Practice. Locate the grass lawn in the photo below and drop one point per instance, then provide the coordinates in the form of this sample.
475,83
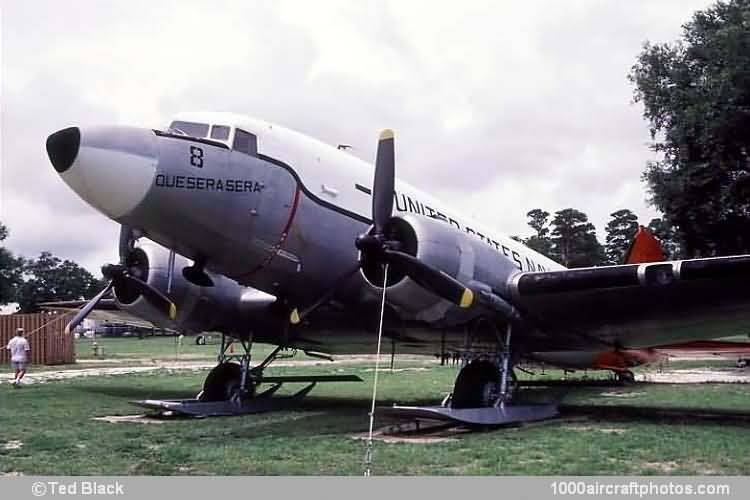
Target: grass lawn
53,421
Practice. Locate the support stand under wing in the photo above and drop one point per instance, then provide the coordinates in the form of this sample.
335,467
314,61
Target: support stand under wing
489,416
263,402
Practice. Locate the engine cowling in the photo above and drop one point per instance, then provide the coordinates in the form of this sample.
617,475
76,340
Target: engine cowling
226,306
443,247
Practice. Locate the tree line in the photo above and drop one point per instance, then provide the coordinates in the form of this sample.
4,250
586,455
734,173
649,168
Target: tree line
569,238
47,278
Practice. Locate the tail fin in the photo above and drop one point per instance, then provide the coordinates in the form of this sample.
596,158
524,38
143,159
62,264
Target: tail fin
645,248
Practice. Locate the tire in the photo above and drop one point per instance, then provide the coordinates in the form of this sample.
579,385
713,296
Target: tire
222,383
626,377
476,385
200,340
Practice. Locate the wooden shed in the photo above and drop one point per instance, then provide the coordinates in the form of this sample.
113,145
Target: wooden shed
46,335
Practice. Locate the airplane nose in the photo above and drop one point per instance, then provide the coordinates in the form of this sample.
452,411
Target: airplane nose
110,167
62,148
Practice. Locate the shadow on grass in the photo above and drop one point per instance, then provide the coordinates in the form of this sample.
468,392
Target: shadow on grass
136,392
669,415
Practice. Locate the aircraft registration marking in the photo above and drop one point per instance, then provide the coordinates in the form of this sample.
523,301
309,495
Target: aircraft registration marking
208,183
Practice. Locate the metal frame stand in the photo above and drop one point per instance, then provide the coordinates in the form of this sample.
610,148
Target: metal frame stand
505,395
245,401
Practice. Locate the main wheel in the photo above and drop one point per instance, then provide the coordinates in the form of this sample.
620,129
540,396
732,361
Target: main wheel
477,385
625,377
223,383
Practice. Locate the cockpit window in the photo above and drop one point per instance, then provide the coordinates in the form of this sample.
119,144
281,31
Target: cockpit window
245,142
220,132
189,128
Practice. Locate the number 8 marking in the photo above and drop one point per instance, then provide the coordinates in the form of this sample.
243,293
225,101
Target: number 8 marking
196,156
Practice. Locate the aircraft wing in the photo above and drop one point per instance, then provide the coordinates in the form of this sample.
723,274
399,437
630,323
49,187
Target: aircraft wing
637,305
106,310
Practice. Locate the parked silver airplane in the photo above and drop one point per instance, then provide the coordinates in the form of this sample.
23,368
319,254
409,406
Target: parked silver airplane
275,237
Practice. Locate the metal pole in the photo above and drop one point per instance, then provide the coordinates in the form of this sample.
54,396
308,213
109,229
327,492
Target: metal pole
170,271
506,360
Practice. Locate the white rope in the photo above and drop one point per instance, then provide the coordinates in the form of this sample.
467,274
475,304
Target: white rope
368,452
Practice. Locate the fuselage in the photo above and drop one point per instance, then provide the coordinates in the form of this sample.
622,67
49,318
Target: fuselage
263,205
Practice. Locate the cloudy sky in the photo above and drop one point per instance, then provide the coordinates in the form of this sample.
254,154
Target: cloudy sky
499,107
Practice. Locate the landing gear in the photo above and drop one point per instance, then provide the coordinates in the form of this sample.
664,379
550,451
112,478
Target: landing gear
625,377
231,386
233,379
742,362
484,383
478,385
482,394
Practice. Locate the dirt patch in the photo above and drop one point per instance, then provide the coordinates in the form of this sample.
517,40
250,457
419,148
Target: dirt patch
13,445
591,428
415,439
699,376
663,467
621,394
412,432
138,419
388,370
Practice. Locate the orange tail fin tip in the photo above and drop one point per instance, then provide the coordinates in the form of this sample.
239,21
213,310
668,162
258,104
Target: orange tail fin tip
645,248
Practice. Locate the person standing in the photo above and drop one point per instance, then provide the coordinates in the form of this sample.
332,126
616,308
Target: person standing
19,355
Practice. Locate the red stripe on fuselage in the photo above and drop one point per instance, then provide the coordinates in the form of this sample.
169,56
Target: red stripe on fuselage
282,239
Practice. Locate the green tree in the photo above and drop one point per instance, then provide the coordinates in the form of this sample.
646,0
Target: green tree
50,279
574,242
539,222
667,236
696,98
621,230
10,271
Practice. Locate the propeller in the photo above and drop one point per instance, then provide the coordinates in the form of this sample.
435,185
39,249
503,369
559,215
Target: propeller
121,275
377,247
376,243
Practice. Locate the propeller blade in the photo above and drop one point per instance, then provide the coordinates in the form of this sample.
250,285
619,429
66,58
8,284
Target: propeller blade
85,310
383,185
152,296
430,278
296,316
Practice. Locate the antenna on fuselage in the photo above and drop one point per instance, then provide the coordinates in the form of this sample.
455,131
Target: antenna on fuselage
344,147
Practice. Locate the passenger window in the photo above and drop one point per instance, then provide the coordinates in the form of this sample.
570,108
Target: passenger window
245,142
220,132
190,128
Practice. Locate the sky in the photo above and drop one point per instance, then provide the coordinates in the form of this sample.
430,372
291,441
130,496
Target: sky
499,107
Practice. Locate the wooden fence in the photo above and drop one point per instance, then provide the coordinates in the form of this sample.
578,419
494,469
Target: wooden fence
45,333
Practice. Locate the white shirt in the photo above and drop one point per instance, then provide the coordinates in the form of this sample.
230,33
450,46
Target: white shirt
18,347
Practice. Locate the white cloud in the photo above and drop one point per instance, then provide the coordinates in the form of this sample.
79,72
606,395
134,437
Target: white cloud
499,107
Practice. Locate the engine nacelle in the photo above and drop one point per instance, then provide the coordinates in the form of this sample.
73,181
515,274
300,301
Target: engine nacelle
443,247
226,306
